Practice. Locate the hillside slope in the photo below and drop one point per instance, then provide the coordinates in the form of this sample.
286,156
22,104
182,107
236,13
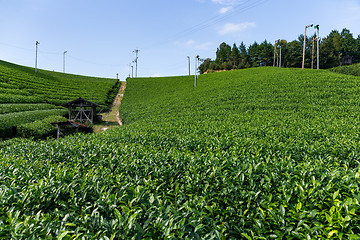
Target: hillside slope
247,154
26,96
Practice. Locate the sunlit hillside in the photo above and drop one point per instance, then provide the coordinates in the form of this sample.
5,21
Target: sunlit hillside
250,154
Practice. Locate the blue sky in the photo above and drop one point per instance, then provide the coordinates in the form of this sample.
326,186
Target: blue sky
100,36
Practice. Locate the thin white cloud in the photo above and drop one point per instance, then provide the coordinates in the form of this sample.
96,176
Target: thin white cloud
189,43
225,10
227,2
195,45
203,46
231,28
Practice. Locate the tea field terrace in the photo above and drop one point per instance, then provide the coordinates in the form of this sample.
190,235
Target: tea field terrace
26,97
249,154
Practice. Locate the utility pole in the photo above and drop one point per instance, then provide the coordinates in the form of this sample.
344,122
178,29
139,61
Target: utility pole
136,51
132,71
275,52
189,64
280,57
303,61
196,63
37,43
312,53
64,61
317,50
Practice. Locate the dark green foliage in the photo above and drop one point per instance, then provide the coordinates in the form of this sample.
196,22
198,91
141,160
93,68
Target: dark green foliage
9,121
348,44
334,49
23,92
16,107
235,56
330,50
244,61
353,69
223,53
251,154
111,94
39,129
292,53
205,65
53,87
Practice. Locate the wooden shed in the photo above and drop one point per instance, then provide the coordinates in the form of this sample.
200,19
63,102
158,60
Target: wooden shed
347,60
81,110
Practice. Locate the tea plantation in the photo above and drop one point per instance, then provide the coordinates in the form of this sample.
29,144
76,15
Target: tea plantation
353,69
26,97
262,153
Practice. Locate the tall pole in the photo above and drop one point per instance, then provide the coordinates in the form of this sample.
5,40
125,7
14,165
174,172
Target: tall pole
129,70
280,57
274,53
312,53
189,63
196,63
317,50
37,43
136,51
303,61
64,61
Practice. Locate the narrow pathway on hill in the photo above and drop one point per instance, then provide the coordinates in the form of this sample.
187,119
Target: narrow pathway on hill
112,118
117,102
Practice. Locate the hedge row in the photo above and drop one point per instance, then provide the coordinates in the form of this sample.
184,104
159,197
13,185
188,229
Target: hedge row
9,121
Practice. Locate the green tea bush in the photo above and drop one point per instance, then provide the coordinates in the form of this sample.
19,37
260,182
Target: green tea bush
21,90
111,94
39,128
261,153
21,107
9,121
353,69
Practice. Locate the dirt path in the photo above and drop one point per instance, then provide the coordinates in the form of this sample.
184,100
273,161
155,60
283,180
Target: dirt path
117,102
112,119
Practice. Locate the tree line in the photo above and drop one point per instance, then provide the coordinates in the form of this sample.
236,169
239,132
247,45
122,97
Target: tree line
338,48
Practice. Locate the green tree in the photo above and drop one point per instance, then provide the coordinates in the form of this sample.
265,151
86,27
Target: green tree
244,56
205,65
266,53
348,46
223,53
357,51
330,50
235,56
254,54
292,54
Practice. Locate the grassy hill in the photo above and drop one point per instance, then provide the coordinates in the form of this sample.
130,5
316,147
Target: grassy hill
251,154
26,97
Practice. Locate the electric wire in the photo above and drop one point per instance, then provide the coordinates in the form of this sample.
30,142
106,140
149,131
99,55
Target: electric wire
239,8
236,9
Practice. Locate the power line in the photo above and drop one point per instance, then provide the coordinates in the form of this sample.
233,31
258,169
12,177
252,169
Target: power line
221,17
240,8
